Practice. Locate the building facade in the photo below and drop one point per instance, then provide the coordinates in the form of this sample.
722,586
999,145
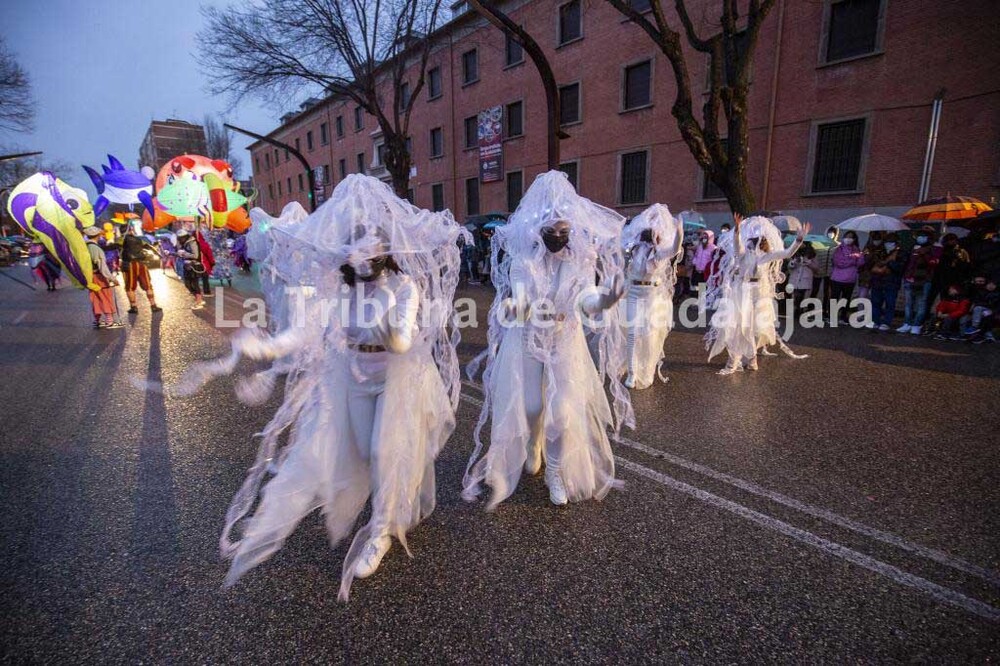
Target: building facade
840,112
166,139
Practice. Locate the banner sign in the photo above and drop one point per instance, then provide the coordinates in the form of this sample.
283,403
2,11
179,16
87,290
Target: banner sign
491,145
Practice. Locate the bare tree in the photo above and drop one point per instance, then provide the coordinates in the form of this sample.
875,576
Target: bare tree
219,143
730,51
492,13
357,49
17,111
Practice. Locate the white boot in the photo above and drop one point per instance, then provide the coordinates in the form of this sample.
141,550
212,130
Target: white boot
371,556
557,491
533,463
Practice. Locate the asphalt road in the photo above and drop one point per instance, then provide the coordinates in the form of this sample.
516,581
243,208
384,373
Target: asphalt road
839,508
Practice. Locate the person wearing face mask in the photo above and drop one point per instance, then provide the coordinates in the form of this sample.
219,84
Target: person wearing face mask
651,242
949,313
745,319
703,258
874,251
372,387
887,266
824,266
544,394
918,279
954,266
846,261
985,305
802,268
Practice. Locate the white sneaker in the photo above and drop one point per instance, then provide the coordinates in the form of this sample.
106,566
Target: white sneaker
629,382
371,556
557,491
752,364
905,328
914,330
884,327
198,306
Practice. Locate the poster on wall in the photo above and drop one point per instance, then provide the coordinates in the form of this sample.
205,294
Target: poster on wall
491,145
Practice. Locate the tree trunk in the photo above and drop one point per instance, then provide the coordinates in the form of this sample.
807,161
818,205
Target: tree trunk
397,163
739,194
492,13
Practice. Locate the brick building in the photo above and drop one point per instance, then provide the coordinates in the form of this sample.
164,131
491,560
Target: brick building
851,84
166,139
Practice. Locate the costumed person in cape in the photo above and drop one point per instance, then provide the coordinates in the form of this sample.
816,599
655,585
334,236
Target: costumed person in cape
544,394
745,319
652,241
102,300
44,266
134,247
189,249
267,242
371,395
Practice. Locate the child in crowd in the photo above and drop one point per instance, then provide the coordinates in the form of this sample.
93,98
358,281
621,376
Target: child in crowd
985,301
802,272
949,313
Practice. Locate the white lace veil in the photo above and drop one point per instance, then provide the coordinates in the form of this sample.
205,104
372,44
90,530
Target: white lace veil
594,243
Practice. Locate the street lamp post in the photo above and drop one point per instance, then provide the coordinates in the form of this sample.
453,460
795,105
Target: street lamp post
274,142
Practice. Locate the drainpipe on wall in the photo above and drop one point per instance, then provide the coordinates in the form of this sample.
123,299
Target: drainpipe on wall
451,106
932,137
774,99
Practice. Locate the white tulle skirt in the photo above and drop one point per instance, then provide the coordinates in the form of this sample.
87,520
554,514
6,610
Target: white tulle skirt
574,420
369,425
745,320
648,317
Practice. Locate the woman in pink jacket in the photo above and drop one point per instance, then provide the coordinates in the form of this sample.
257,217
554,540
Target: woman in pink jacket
847,259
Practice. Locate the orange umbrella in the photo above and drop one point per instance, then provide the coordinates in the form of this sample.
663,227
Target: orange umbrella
946,208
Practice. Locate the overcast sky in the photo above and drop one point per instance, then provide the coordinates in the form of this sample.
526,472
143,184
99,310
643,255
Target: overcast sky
102,69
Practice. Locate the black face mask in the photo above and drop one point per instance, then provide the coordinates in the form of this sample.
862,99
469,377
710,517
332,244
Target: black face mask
646,236
555,240
377,266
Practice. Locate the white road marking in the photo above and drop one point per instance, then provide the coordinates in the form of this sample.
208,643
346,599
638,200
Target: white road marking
817,512
942,594
19,318
938,592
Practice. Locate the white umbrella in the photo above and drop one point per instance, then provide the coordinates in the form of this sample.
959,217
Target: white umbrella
787,223
872,222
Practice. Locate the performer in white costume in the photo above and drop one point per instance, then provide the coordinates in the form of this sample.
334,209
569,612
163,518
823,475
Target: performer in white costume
652,241
544,393
746,315
371,396
267,242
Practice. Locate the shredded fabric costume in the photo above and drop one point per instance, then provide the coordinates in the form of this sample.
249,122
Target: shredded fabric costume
543,392
652,241
746,315
372,377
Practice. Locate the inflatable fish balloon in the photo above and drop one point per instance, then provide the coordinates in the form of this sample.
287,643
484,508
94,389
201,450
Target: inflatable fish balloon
118,184
56,213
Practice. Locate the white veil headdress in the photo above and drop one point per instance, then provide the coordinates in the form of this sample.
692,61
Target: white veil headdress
362,219
656,218
723,281
595,240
